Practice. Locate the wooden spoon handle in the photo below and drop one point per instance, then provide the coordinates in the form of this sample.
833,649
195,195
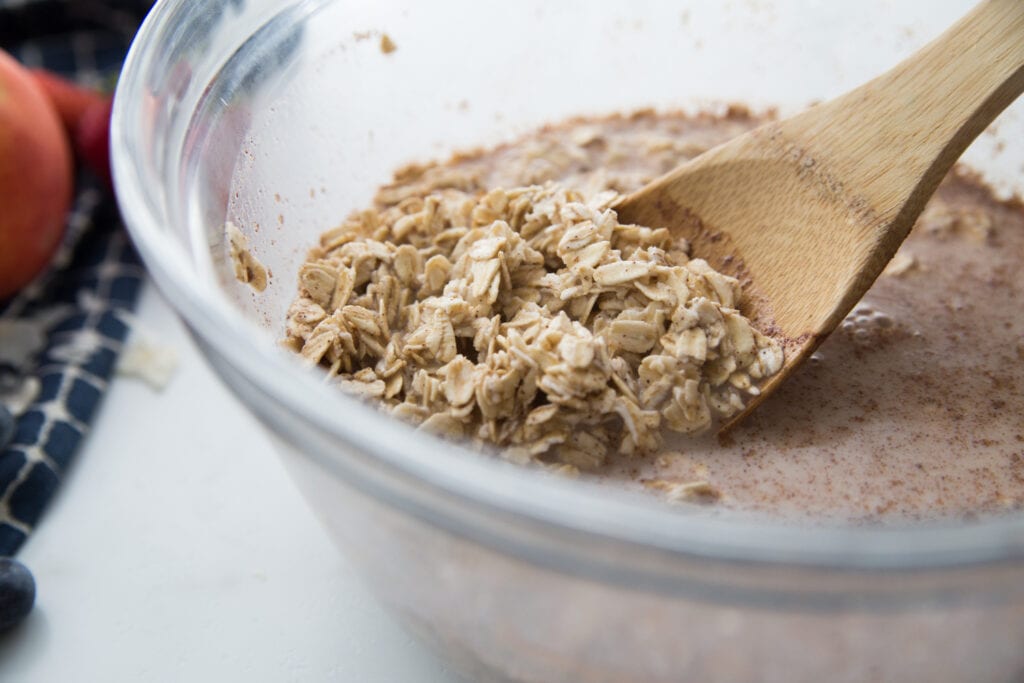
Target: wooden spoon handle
894,138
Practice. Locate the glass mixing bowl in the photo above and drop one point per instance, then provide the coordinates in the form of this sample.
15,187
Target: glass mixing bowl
284,116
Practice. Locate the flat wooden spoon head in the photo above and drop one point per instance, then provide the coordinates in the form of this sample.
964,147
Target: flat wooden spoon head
806,212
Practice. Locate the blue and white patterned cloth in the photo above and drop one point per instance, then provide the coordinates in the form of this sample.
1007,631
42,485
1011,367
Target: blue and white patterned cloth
73,317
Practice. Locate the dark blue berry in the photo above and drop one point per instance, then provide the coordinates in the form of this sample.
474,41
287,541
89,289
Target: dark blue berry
17,592
6,427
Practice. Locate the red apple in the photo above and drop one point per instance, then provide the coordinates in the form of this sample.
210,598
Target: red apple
70,99
92,138
85,114
36,177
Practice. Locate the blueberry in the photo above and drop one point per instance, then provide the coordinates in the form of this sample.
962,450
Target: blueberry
17,592
6,426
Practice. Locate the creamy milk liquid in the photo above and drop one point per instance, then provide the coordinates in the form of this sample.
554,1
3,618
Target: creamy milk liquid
914,408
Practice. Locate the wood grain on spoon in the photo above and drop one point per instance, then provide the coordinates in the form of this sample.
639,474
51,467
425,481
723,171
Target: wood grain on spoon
808,211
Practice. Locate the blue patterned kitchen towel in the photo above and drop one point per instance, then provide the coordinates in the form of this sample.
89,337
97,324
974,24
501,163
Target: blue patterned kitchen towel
61,336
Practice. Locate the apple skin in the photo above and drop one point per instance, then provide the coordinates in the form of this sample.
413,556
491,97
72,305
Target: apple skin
36,177
85,114
92,138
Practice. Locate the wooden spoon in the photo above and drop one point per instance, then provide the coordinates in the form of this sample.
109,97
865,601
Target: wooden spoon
808,211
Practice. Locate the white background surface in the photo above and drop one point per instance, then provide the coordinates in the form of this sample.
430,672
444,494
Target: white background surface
177,549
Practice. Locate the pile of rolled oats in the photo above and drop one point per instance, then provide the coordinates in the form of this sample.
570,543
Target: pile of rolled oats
528,319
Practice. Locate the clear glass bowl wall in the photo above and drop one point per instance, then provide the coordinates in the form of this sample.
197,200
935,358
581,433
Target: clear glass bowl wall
284,116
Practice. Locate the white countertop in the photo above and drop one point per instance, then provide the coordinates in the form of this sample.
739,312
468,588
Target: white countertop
178,549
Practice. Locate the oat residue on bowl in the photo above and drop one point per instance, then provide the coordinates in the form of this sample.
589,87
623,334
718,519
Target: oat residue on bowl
248,269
